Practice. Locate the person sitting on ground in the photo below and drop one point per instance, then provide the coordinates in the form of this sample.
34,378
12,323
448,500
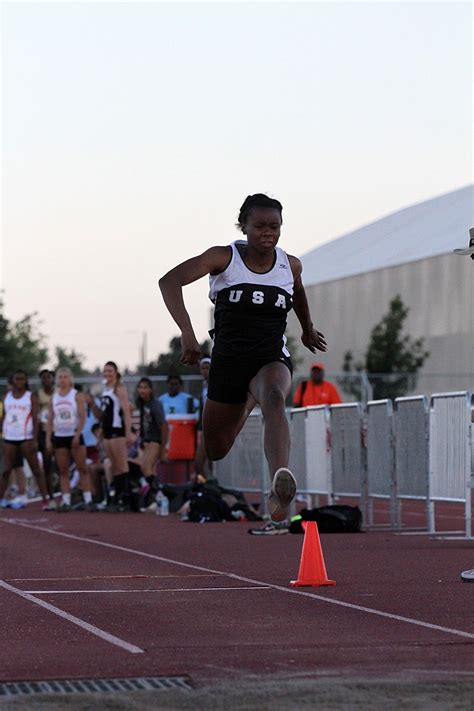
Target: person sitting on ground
316,390
177,402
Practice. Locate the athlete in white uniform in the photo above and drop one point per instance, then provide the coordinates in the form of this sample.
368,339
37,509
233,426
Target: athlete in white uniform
66,419
116,424
20,432
253,285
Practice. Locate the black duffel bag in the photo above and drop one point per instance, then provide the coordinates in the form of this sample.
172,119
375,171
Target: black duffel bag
330,519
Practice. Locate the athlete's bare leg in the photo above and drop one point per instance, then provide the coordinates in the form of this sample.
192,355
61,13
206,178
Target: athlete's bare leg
79,457
270,388
9,459
63,460
221,423
30,453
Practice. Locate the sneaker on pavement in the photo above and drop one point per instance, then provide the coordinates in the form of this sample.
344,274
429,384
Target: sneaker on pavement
282,494
19,502
63,508
50,505
271,529
468,576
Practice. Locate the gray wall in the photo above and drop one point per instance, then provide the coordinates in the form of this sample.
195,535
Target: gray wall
439,292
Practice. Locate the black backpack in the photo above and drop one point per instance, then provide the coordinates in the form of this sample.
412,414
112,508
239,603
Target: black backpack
330,519
206,504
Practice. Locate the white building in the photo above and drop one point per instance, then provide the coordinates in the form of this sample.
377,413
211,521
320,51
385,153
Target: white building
351,280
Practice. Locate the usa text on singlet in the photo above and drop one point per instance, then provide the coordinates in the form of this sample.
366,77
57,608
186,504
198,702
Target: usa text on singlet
251,308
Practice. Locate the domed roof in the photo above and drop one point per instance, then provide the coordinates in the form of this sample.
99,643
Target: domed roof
426,229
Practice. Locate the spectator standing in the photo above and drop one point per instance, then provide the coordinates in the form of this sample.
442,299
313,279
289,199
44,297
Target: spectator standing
20,433
175,401
203,465
153,427
116,424
17,473
67,415
45,393
316,390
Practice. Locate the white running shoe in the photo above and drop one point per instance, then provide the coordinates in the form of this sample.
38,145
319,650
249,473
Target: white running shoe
283,493
19,502
468,576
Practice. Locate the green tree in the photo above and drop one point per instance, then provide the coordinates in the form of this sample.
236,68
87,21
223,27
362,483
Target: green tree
390,354
22,345
70,359
168,362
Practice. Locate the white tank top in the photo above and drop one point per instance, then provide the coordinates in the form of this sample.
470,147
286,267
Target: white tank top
112,408
251,307
65,415
237,273
18,422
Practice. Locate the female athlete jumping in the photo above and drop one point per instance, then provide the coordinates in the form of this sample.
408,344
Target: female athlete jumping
253,285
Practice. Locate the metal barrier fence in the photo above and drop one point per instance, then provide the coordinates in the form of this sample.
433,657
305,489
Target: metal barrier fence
411,436
407,452
245,466
450,453
309,453
380,457
346,449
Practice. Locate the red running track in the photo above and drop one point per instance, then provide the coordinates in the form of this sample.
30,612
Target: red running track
132,595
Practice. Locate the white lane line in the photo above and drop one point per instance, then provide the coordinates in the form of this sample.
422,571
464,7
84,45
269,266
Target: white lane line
112,577
75,620
149,590
241,578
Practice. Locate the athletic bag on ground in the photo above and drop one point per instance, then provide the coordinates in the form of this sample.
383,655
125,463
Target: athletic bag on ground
330,519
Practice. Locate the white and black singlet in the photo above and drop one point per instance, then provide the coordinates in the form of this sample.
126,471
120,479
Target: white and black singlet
17,421
112,414
249,322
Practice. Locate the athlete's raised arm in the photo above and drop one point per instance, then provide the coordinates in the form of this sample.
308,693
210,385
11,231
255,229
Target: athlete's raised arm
171,284
311,338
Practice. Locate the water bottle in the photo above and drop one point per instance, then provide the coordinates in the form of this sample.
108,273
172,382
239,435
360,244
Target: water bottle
165,505
159,502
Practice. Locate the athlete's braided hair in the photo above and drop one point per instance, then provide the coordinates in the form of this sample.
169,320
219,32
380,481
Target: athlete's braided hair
257,200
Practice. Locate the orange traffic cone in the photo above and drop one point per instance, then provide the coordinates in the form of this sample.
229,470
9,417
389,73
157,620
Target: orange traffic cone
312,570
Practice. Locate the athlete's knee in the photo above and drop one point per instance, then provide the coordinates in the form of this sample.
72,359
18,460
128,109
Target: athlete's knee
216,450
273,398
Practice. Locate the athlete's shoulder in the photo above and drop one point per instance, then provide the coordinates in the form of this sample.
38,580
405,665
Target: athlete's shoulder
218,258
296,266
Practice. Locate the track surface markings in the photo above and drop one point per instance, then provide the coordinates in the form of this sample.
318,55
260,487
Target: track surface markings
75,620
241,578
149,590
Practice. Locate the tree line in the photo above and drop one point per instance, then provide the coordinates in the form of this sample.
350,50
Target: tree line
389,351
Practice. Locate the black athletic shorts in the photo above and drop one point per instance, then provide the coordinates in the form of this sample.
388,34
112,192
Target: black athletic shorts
18,456
114,432
65,442
229,377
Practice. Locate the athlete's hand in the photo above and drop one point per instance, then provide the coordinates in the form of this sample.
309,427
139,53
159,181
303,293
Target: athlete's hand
49,447
190,349
75,442
314,340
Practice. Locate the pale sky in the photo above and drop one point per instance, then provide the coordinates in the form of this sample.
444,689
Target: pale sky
132,132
